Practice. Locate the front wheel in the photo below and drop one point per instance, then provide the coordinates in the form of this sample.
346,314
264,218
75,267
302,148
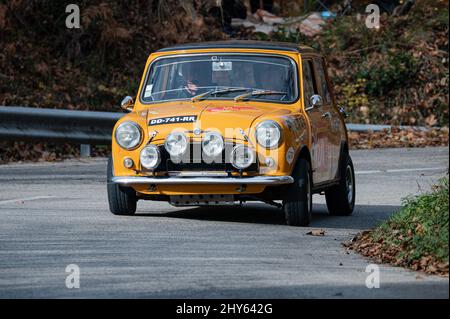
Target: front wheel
341,197
122,200
297,205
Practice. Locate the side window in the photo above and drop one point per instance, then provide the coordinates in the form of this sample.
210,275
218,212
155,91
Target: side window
309,83
325,91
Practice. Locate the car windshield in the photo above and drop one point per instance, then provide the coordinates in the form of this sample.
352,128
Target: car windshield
198,77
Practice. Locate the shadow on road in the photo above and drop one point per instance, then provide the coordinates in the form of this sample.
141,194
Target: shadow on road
364,216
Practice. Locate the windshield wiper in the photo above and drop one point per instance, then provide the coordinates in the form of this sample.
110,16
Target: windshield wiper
201,96
258,93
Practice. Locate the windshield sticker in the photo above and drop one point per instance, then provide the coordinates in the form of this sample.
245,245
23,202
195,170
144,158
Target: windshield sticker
148,90
222,66
230,108
173,120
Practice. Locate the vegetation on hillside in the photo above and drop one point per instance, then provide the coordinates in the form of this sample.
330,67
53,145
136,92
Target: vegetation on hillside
45,64
397,74
415,237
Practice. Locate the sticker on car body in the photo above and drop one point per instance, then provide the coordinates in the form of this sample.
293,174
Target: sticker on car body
173,120
230,108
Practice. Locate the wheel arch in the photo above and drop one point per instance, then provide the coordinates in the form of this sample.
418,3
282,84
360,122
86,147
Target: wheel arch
344,151
304,153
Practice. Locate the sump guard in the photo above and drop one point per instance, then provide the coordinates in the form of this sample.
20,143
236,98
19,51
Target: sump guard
202,200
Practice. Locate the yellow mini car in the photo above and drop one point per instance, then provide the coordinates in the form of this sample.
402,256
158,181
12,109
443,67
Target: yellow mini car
222,123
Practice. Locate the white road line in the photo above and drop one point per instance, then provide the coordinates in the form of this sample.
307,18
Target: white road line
401,170
17,200
368,172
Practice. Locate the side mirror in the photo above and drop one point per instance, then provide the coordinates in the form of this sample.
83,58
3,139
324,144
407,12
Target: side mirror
127,104
342,111
315,101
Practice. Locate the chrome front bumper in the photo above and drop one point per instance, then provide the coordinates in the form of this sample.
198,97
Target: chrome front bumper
257,180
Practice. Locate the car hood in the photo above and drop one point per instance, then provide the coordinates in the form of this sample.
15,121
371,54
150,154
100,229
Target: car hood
206,115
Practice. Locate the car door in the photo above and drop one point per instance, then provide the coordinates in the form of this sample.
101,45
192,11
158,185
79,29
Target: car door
331,113
320,125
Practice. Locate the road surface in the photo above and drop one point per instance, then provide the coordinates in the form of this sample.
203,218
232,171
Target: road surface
56,214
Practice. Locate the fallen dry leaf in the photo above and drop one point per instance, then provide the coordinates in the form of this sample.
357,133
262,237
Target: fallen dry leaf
316,232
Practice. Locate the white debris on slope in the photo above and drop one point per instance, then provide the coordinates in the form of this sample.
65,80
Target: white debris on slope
265,22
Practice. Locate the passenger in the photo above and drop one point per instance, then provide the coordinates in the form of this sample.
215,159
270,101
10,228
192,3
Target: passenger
272,77
244,76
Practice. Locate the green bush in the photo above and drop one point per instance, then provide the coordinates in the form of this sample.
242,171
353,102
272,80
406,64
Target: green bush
420,228
398,71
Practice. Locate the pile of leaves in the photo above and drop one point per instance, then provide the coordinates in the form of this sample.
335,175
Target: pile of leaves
416,237
17,152
396,137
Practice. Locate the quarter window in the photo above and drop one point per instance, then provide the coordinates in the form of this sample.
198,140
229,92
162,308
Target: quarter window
309,83
322,81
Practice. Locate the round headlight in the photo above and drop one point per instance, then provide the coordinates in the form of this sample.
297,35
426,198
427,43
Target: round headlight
176,144
150,157
212,144
128,135
268,134
242,157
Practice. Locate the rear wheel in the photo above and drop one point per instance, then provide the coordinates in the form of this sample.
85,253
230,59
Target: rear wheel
341,198
122,200
297,205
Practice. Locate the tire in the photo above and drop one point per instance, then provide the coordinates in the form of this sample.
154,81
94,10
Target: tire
297,205
122,200
341,198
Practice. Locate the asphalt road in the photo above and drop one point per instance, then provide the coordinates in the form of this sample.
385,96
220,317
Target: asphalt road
53,215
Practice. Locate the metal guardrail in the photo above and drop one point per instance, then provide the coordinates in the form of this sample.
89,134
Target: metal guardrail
381,127
52,125
84,127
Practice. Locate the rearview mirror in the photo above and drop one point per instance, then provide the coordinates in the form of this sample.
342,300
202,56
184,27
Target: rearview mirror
343,112
127,104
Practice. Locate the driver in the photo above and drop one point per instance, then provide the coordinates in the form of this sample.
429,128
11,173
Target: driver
195,78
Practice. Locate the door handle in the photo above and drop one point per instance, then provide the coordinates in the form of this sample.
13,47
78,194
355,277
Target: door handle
326,114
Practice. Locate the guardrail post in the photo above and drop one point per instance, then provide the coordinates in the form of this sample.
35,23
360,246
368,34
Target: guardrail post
85,150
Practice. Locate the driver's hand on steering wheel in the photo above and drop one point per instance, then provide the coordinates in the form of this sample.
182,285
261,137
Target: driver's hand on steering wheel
191,88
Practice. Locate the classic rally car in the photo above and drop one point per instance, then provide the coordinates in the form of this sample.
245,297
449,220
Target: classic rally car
222,123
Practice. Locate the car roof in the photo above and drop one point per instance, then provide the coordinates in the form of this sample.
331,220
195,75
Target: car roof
240,44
